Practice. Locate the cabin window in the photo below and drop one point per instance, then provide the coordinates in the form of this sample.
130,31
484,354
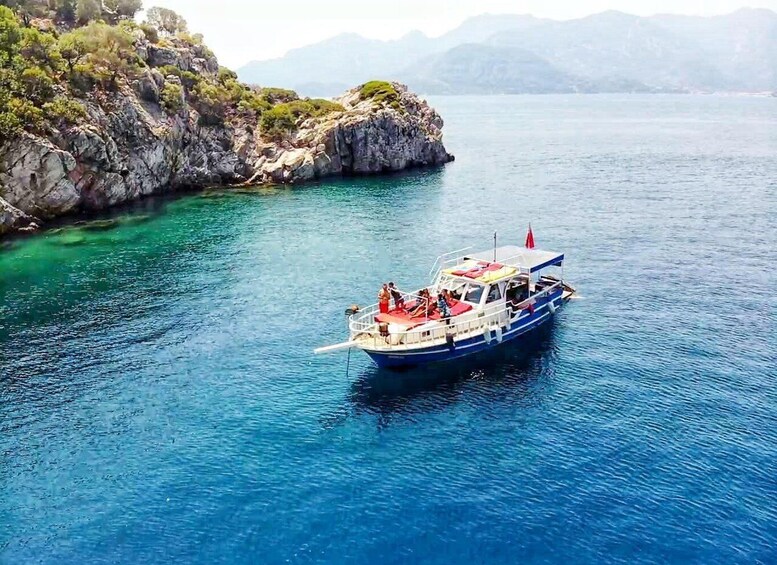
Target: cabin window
474,292
494,294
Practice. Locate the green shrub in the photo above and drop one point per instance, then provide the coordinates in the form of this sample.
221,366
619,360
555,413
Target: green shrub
282,119
211,101
172,97
313,107
83,77
122,11
252,103
37,85
42,74
278,121
64,110
88,11
150,32
166,21
41,50
28,65
10,125
278,95
226,75
190,38
322,107
73,48
380,92
189,79
10,37
170,70
99,54
29,115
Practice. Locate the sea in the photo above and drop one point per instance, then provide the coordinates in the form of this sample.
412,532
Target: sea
160,401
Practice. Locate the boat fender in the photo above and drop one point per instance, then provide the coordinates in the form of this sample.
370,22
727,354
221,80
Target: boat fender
552,307
487,334
499,334
449,341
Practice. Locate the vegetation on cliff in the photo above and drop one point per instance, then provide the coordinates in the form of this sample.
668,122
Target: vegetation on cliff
380,92
283,118
97,109
56,56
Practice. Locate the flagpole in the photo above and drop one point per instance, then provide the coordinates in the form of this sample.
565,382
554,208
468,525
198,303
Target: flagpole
494,247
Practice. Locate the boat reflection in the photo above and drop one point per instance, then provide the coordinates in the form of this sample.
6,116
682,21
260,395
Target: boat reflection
521,370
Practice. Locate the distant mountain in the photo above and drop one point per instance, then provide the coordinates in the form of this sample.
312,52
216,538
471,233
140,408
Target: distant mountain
742,45
346,59
475,68
614,44
480,28
495,54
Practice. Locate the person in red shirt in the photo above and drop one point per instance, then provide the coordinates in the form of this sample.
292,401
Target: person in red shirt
383,299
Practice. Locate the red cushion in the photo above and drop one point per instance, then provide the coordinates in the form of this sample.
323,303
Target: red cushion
402,319
460,308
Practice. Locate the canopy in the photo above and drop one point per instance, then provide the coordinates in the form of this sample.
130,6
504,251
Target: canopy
531,260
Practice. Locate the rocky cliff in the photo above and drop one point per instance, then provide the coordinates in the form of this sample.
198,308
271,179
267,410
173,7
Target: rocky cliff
132,144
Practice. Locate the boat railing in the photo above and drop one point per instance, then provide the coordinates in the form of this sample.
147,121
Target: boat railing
451,257
362,325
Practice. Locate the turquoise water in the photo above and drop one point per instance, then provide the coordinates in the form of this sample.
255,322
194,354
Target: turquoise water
159,401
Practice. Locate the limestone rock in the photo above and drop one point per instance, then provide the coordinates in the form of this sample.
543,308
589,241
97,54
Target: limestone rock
132,147
163,56
13,219
35,177
365,139
148,87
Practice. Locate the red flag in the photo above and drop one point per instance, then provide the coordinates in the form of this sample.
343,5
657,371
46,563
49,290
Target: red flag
529,239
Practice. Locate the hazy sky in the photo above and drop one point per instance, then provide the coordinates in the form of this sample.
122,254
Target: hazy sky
242,30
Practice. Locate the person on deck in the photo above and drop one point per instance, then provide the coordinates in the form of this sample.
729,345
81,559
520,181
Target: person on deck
383,299
443,306
399,302
421,307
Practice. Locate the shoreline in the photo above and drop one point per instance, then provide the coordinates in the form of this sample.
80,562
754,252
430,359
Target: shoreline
156,202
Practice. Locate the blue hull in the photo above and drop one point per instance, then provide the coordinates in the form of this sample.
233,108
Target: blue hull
523,324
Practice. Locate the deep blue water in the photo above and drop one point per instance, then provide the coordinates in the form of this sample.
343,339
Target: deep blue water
159,401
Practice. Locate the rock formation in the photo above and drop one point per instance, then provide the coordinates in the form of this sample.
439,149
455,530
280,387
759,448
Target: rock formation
130,146
366,138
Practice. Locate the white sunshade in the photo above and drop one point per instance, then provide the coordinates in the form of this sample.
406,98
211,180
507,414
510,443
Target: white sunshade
531,260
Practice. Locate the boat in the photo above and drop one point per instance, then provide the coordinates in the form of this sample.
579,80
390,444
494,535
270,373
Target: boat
493,296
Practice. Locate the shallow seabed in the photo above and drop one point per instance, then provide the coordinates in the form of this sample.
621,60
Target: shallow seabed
159,401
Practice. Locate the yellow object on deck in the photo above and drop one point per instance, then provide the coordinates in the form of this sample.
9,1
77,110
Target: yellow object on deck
465,266
490,276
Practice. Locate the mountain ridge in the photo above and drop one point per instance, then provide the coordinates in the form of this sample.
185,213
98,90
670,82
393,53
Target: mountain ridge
610,51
